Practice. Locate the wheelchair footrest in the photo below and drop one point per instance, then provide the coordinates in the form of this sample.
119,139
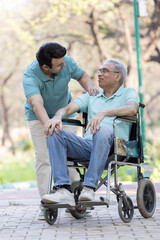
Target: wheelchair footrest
86,204
57,205
92,203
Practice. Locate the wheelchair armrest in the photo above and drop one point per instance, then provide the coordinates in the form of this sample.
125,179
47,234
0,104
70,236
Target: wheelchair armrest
131,119
73,122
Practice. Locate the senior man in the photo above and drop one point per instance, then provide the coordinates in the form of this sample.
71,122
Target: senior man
113,100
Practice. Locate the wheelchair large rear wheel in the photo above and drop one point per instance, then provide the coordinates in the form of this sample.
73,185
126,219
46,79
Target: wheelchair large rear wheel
146,198
50,215
125,209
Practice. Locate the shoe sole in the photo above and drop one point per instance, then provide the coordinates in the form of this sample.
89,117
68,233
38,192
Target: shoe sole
71,203
85,199
41,218
48,201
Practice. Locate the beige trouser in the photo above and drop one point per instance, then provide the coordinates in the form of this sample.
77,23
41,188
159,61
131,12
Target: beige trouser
42,164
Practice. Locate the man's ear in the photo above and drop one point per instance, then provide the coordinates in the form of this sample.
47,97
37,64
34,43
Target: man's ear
45,67
118,77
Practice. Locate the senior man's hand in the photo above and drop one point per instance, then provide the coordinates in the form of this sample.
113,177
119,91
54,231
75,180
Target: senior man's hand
53,125
94,123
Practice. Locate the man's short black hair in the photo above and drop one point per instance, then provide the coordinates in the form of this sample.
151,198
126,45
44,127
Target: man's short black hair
48,51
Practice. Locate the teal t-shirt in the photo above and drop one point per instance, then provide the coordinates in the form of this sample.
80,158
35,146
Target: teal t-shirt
55,92
94,104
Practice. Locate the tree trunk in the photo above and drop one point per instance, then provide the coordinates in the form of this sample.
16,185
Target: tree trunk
96,37
5,117
132,80
5,122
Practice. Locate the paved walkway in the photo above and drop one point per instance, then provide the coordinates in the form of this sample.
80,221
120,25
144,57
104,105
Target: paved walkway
19,210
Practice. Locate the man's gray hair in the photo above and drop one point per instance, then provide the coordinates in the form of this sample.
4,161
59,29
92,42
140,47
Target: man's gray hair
119,67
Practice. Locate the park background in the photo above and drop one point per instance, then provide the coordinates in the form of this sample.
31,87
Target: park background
92,31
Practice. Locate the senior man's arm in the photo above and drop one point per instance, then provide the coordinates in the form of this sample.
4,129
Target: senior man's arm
56,122
130,109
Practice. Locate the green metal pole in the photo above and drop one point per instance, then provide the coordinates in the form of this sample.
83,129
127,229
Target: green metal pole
138,49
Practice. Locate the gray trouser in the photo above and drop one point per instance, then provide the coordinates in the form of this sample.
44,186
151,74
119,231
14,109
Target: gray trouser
42,164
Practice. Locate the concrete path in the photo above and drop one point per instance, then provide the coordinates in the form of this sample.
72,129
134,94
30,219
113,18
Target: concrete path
19,210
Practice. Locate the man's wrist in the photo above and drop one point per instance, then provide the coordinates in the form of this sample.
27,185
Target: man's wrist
45,121
105,113
58,117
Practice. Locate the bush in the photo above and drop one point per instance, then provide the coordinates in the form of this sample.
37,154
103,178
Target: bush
25,144
153,157
125,173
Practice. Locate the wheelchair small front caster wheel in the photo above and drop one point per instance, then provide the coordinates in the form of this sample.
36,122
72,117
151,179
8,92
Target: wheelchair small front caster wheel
146,198
125,209
78,213
50,215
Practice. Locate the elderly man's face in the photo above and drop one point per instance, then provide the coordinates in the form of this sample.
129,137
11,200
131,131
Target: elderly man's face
107,76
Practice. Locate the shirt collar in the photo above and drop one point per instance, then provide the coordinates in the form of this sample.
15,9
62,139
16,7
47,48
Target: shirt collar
117,93
101,93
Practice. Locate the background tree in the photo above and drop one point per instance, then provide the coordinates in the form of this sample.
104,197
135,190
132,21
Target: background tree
91,30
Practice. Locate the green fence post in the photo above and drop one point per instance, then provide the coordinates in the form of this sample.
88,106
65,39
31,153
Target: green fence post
138,49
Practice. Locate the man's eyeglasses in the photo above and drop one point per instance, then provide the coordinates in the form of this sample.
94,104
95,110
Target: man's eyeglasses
105,70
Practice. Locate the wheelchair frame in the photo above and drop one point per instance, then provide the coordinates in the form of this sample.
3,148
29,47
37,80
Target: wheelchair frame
133,151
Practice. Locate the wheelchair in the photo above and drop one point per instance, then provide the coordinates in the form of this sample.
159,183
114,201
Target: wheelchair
123,153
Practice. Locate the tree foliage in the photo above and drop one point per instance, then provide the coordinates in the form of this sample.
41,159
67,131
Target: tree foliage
91,30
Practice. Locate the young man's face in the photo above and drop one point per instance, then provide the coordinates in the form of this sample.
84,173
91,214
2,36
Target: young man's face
107,75
57,65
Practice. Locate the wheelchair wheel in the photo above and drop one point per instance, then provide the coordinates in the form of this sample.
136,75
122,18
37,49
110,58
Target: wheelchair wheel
50,215
78,213
125,209
76,188
146,198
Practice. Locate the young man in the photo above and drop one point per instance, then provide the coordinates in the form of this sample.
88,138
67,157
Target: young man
113,100
45,85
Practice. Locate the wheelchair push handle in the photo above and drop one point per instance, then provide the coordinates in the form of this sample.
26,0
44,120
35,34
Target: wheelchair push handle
142,105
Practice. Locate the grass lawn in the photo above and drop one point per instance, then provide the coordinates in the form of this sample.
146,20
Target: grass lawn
20,168
17,168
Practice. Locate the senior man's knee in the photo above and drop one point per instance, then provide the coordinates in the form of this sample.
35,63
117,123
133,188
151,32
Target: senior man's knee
104,134
53,137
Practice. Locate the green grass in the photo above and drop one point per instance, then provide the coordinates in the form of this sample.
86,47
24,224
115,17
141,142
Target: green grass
20,167
124,173
17,169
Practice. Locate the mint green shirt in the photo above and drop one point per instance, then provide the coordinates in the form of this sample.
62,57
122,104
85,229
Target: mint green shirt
94,104
55,92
